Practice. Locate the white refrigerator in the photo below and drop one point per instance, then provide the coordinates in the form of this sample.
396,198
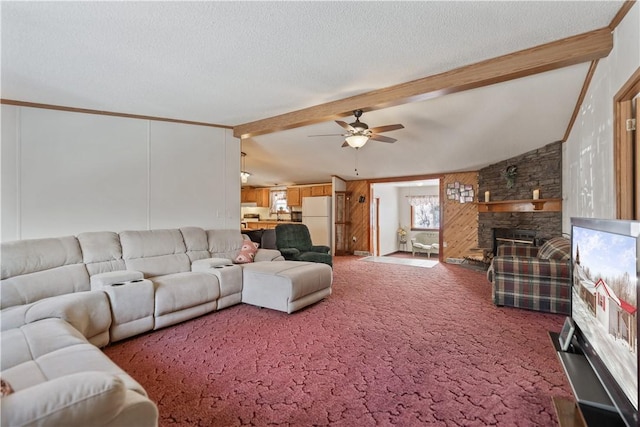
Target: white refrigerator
316,215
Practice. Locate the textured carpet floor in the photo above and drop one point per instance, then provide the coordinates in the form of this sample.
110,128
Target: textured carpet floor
425,263
393,345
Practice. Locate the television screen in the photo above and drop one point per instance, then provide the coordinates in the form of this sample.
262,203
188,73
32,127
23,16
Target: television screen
604,302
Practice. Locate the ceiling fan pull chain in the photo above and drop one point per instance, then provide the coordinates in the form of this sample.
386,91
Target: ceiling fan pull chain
356,161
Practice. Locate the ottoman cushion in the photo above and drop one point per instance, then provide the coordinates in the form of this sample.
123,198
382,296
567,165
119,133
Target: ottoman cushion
286,285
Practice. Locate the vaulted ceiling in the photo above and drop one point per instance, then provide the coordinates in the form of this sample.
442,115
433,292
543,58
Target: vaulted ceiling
306,63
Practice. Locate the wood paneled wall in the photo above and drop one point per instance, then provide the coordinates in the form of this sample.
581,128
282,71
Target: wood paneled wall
460,225
360,218
460,220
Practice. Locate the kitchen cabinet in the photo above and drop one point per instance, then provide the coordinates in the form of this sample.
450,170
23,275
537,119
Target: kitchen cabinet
263,196
293,196
248,195
317,190
259,196
305,192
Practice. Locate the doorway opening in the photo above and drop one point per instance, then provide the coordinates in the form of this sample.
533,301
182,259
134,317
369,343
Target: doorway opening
402,210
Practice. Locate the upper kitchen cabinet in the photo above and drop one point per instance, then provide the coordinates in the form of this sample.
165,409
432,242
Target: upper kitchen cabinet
262,197
293,196
247,195
259,196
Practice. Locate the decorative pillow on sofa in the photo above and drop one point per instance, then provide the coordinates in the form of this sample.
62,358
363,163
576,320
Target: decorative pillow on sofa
558,248
247,252
5,388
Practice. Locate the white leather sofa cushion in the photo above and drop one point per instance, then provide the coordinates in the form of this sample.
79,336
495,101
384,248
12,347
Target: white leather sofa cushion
88,312
224,243
154,252
87,398
61,379
34,340
101,251
175,292
195,239
41,268
29,256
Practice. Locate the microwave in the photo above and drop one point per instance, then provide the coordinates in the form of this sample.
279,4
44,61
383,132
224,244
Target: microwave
296,216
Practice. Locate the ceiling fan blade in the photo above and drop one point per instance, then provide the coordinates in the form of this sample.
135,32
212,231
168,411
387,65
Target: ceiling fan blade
382,138
386,128
328,134
345,144
346,126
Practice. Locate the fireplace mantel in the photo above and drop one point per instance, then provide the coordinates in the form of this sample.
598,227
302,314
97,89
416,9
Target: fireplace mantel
530,205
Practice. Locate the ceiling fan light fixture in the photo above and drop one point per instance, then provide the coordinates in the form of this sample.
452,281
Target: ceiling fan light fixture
357,141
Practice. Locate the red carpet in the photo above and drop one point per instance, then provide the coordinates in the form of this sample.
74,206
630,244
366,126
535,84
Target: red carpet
393,345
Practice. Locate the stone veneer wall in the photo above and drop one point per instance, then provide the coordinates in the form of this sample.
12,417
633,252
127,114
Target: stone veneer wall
537,169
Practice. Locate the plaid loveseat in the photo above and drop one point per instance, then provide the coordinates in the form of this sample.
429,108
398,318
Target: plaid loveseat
533,278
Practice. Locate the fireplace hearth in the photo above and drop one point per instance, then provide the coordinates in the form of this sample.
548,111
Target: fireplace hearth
513,236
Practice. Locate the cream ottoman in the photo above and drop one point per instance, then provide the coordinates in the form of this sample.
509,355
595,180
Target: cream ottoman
285,285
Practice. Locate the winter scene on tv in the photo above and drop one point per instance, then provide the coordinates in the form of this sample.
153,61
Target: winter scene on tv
604,301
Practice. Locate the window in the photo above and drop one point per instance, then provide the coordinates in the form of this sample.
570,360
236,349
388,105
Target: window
279,202
425,213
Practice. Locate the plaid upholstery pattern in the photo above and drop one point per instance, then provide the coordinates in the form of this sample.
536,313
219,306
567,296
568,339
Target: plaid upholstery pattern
533,283
557,248
517,250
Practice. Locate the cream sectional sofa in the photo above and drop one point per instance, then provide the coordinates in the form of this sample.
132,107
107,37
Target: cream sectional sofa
62,298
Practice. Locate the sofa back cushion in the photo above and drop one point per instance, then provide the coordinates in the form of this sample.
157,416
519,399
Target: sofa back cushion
155,252
41,268
101,252
195,240
225,243
558,248
427,237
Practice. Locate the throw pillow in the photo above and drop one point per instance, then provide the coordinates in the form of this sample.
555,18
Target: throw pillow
558,248
5,388
247,252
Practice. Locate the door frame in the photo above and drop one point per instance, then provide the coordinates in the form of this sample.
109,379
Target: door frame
626,167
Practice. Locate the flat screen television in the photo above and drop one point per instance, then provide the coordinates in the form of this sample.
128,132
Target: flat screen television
605,292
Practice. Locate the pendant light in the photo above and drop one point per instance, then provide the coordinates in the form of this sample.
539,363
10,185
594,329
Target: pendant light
244,175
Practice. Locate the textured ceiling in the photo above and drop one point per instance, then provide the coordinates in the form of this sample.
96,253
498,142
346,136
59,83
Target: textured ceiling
234,62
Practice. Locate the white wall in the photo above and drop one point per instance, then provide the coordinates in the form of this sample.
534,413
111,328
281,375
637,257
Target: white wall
64,173
388,217
588,169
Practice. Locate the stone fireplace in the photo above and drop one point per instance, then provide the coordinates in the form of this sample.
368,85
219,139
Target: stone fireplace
539,169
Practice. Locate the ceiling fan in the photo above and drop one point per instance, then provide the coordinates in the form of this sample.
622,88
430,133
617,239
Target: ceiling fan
358,133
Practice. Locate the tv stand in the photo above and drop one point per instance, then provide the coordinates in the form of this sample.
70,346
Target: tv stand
568,413
593,407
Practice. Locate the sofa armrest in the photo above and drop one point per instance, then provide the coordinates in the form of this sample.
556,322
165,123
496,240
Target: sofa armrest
517,251
289,253
204,265
320,248
73,400
88,312
107,279
268,255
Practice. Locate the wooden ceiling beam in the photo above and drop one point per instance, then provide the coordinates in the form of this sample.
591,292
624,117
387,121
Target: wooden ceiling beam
550,56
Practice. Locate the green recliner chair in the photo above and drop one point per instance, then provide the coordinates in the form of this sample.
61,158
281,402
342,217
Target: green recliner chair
294,243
